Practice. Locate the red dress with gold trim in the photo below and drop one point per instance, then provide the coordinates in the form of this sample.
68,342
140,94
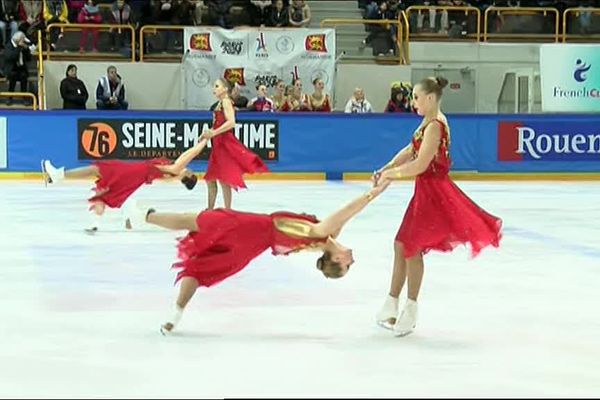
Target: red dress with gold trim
292,104
227,240
229,159
440,216
321,105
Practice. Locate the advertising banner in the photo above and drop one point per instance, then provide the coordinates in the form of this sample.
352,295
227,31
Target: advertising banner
250,57
570,77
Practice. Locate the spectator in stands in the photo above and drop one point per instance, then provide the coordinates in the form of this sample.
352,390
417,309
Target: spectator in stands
55,11
184,13
121,14
16,55
75,7
164,12
380,37
32,17
199,13
295,99
259,11
73,90
89,14
218,13
358,104
239,102
9,17
585,18
261,102
279,97
279,15
299,14
400,98
420,15
319,101
110,93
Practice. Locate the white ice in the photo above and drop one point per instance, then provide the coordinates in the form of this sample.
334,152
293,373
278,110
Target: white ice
80,314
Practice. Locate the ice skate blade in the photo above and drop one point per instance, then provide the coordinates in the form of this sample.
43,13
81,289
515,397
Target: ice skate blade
165,330
387,324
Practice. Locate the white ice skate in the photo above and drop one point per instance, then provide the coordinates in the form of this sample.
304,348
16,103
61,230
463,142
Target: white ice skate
386,317
134,214
168,327
51,173
407,320
95,221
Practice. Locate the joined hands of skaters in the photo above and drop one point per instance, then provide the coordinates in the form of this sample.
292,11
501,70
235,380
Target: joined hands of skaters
379,185
207,134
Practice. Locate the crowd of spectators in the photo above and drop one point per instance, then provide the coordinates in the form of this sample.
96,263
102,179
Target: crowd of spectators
431,19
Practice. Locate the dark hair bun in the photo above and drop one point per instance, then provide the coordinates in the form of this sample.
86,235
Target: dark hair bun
189,181
442,82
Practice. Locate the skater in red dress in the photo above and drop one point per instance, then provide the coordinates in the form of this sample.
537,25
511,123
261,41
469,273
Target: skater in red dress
319,101
439,216
229,159
117,180
222,242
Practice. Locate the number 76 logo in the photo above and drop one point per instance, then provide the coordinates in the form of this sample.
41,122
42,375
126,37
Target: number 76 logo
99,140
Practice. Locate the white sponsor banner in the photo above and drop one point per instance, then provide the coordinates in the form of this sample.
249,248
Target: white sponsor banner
251,56
3,142
570,77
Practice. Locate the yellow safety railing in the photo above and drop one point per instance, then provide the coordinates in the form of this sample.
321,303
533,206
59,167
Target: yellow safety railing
576,12
40,55
403,18
153,29
402,57
466,10
503,11
34,102
98,27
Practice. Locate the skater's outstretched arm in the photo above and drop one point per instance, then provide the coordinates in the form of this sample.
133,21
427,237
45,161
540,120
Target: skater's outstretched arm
332,225
178,167
227,125
427,152
400,158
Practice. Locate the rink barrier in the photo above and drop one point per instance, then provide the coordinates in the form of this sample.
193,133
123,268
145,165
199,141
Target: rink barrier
365,176
308,146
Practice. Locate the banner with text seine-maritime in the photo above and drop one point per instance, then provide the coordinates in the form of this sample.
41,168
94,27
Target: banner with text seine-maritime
139,139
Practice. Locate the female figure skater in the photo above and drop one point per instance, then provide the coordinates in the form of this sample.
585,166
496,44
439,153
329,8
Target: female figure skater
319,101
229,159
279,97
296,100
117,180
222,242
439,217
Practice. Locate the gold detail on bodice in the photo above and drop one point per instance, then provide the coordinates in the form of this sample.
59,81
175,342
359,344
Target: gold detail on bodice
317,103
295,228
444,142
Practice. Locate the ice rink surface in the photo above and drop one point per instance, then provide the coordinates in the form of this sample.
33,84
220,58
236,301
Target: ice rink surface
81,314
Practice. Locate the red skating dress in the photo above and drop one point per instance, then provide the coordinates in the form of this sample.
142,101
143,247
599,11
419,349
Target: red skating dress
229,159
293,104
227,240
322,105
440,216
119,179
